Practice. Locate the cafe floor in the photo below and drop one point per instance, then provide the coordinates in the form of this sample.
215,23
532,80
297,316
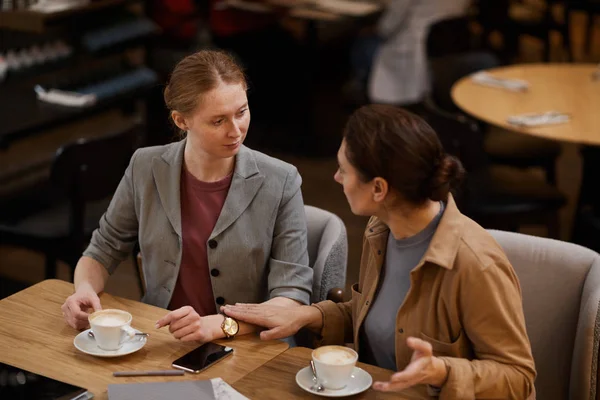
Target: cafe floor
19,267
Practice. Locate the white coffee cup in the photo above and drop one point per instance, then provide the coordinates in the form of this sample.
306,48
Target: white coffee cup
334,365
111,328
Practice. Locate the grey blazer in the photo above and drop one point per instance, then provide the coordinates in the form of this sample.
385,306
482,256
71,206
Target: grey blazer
258,245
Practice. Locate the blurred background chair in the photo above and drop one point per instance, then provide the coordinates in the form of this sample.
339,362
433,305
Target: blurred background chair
536,18
496,196
453,54
327,254
586,224
328,257
451,36
560,283
84,175
592,9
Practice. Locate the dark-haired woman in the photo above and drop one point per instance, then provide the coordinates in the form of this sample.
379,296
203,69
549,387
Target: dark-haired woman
437,299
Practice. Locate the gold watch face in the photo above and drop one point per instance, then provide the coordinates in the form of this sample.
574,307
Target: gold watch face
230,326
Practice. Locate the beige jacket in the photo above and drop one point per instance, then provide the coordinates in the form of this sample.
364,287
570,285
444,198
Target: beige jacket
464,299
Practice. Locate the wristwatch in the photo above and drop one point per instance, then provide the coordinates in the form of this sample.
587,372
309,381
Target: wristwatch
230,327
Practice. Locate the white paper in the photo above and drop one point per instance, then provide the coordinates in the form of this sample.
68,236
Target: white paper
223,391
64,98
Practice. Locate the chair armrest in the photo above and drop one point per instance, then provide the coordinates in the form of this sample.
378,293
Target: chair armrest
336,295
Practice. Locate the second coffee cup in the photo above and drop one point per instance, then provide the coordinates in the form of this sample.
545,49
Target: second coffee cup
334,365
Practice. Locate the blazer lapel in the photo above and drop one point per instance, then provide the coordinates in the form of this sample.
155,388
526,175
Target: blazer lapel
166,170
245,183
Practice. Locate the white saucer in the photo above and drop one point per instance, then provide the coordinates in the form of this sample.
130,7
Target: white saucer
84,343
360,380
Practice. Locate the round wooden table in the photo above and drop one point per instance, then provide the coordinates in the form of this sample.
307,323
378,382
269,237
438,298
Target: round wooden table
567,88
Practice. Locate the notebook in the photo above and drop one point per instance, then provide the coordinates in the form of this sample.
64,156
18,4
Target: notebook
16,383
211,389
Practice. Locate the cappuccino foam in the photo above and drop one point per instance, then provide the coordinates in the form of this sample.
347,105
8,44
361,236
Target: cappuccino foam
110,319
335,355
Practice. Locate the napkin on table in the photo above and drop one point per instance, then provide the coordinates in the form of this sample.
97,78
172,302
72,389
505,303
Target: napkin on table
515,85
539,119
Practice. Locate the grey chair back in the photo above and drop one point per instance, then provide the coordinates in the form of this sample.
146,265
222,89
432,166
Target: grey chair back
327,251
560,283
327,256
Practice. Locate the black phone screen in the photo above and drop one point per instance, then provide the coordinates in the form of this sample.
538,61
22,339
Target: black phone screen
202,357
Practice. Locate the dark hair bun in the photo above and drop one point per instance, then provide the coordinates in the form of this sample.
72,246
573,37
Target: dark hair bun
446,177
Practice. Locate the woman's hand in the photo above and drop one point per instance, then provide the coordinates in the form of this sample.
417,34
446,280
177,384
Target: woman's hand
75,308
281,322
187,325
424,368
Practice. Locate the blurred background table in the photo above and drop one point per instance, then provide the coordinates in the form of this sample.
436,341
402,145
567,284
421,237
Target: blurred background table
277,380
34,337
567,88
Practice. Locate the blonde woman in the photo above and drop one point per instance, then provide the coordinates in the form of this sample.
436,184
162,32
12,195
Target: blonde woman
217,223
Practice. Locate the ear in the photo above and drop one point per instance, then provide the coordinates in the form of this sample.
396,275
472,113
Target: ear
179,120
380,189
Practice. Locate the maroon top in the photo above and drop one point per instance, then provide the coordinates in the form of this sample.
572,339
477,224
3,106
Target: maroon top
201,204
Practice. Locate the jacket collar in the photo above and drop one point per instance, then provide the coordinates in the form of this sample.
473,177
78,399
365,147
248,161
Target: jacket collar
166,170
247,180
245,183
445,242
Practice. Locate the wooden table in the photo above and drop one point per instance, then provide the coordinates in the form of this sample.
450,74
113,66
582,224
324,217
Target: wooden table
277,380
565,88
33,336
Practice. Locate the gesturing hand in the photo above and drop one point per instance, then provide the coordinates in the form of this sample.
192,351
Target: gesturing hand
187,325
424,368
280,321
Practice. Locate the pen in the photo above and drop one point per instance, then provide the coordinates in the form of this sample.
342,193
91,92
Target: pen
168,372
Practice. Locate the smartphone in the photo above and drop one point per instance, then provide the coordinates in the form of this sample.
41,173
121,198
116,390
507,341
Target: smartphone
202,357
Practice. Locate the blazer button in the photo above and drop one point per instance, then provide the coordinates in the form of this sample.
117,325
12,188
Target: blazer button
379,252
367,303
220,301
401,330
214,272
212,243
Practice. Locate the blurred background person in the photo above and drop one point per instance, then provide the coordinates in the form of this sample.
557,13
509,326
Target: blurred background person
389,60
